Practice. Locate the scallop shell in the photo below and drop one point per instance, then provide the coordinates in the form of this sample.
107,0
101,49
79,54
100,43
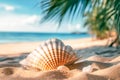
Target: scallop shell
50,55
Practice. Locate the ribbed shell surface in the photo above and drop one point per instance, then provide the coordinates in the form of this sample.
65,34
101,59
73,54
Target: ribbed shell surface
50,55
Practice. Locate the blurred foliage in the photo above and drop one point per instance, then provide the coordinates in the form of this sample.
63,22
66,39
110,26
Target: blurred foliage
110,13
102,15
93,24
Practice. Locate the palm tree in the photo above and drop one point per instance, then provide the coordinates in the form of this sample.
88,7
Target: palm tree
58,9
111,11
93,24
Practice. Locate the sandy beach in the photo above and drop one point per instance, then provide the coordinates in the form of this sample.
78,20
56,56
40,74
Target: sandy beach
98,62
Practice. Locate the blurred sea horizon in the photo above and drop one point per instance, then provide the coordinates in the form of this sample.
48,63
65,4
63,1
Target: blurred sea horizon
11,37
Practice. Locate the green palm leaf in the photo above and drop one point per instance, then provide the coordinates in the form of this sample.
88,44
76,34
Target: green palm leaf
58,9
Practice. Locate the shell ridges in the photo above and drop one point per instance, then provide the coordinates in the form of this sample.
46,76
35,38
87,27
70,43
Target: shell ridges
49,55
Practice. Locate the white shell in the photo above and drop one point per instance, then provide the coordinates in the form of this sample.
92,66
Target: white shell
50,55
63,68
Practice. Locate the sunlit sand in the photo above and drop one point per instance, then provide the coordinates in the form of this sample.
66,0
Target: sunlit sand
97,62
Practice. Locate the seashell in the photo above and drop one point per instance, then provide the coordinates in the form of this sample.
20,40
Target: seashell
63,68
50,55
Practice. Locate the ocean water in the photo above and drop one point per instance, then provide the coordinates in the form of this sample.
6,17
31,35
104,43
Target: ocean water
10,37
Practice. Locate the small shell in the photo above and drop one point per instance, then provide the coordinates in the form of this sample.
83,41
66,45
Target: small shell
50,55
63,68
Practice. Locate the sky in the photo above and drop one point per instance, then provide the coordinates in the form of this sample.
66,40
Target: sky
25,16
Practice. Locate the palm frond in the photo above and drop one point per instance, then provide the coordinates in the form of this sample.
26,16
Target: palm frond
58,9
112,9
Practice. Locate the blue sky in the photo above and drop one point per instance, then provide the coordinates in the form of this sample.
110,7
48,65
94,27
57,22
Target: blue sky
25,15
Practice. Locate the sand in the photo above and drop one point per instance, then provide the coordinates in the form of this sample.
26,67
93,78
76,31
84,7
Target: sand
97,63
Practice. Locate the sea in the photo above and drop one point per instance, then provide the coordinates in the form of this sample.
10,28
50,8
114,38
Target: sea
11,37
